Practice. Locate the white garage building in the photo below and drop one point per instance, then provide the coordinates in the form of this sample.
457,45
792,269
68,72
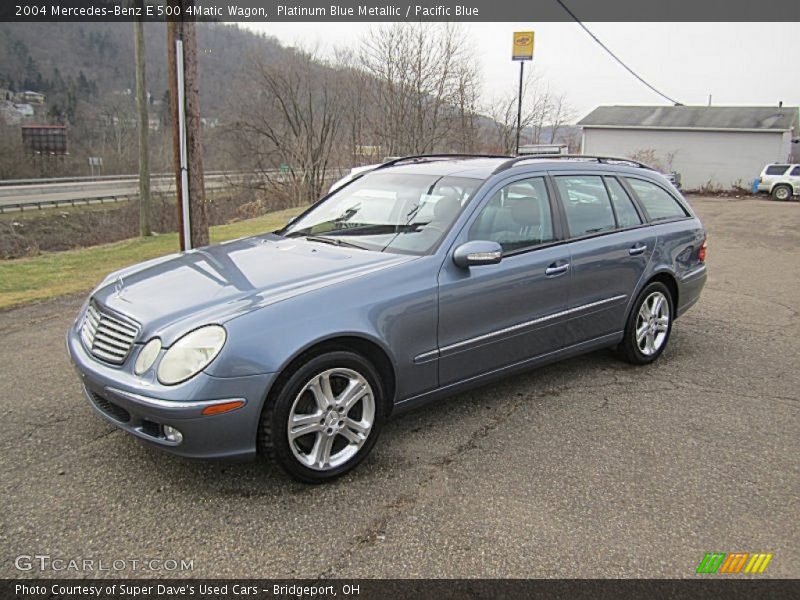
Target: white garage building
716,146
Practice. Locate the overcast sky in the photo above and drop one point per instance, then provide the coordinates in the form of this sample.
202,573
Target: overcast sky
737,63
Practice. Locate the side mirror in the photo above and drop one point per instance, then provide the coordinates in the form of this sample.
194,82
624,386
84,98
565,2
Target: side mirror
473,254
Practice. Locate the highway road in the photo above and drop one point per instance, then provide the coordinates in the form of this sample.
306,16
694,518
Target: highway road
42,194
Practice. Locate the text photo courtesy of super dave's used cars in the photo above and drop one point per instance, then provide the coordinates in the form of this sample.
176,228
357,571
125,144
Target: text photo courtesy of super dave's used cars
417,279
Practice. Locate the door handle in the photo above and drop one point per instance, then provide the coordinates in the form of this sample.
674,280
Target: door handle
638,249
553,270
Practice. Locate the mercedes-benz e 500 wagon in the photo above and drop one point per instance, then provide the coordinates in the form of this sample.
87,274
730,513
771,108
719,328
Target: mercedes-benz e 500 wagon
415,280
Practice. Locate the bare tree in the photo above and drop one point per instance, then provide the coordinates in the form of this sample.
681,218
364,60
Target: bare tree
118,129
543,114
355,87
290,116
467,132
418,72
561,113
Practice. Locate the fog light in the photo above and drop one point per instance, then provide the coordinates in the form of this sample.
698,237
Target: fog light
172,434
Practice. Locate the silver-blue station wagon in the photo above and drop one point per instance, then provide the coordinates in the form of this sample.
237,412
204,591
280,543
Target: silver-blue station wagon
415,280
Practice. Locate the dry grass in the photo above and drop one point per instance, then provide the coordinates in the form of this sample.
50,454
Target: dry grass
55,274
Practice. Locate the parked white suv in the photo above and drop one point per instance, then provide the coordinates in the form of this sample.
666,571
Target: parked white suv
782,181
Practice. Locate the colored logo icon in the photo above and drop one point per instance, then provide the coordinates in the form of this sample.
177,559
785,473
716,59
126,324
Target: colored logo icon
736,562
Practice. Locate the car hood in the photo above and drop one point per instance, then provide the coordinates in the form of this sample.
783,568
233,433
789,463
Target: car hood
173,295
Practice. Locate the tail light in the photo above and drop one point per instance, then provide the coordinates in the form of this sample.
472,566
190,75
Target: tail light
701,253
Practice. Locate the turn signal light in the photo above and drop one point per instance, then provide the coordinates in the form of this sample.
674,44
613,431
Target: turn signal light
217,409
701,254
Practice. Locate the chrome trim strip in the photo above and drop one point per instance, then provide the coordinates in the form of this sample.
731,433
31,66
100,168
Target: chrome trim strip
693,273
170,404
537,321
426,356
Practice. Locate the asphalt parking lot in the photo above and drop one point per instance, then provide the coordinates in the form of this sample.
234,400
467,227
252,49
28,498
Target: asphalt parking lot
586,468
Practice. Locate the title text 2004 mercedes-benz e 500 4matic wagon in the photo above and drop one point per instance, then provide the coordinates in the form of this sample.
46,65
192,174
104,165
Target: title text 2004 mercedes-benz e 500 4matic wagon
417,279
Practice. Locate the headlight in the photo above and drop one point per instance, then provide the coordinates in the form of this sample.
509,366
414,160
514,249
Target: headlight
191,354
147,356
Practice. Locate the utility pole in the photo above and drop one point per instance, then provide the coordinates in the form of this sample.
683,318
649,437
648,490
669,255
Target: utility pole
187,145
144,126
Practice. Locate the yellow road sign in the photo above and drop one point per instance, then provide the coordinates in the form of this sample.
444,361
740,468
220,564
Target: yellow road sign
523,46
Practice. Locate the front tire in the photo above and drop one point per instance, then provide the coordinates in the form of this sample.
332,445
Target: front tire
782,193
649,325
325,417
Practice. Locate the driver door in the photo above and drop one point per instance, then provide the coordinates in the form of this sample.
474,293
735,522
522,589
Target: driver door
493,316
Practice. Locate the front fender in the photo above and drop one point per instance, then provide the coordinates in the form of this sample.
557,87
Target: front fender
396,310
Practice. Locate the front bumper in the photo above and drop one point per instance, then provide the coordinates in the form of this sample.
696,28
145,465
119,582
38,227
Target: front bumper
142,407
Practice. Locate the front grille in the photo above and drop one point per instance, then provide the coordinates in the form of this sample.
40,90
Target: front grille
115,411
108,338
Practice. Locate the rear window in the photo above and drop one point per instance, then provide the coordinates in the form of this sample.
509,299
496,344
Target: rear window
795,172
656,201
776,169
623,207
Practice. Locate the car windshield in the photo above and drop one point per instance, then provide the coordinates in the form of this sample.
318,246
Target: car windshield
394,212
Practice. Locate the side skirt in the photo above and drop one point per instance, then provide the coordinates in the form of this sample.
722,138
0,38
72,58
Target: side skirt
519,367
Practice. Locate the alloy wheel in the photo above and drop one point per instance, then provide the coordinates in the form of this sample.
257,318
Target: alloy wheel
331,418
782,193
652,323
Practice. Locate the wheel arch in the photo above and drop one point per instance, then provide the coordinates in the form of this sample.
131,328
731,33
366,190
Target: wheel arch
669,280
357,343
787,184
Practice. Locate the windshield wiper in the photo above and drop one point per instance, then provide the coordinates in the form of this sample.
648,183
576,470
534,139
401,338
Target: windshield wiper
333,241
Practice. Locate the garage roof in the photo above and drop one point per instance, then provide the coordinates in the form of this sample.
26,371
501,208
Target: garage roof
766,118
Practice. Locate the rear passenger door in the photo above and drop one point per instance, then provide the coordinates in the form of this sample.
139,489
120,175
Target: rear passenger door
610,246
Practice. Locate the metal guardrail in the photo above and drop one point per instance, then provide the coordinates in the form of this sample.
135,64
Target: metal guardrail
108,199
33,204
100,178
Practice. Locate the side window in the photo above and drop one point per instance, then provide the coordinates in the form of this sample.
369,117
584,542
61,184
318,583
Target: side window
586,204
623,205
657,202
795,172
776,169
518,216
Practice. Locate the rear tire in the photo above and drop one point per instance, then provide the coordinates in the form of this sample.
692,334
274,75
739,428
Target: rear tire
324,417
649,325
782,193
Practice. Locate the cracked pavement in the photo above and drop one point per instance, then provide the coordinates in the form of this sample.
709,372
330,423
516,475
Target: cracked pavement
586,468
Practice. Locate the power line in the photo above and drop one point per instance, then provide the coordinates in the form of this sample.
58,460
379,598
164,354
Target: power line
614,56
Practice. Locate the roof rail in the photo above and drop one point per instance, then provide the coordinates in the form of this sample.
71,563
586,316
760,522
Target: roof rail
418,158
606,160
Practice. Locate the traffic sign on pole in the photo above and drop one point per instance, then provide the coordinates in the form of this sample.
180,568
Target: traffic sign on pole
523,45
522,50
